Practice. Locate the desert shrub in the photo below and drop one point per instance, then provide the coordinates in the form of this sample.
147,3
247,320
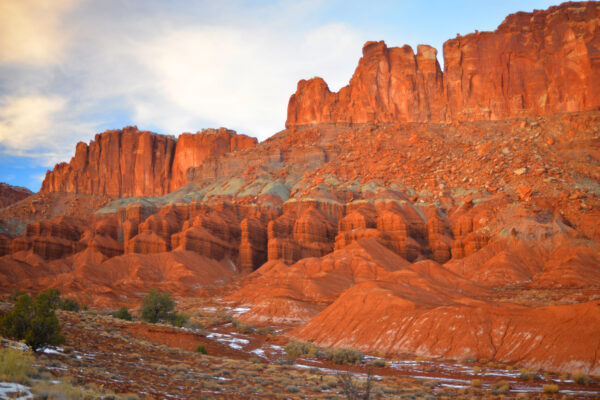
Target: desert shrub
292,389
476,383
301,349
122,313
15,295
15,365
378,363
243,327
157,306
351,390
34,320
201,348
15,324
69,389
51,298
344,355
476,369
582,378
70,305
177,319
223,318
529,375
501,387
266,330
195,325
550,389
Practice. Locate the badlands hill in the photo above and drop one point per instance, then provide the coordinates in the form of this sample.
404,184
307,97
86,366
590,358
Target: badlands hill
449,213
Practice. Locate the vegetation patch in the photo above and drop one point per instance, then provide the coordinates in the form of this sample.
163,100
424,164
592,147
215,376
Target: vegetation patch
34,320
339,355
158,307
552,389
243,327
15,365
122,313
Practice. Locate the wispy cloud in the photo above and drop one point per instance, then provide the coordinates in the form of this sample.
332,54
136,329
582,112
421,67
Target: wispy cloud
31,31
38,127
69,68
236,77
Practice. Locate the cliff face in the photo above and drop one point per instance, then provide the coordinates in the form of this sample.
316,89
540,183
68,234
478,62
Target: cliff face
538,63
11,194
130,162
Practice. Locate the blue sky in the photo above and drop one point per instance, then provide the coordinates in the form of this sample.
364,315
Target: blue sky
73,68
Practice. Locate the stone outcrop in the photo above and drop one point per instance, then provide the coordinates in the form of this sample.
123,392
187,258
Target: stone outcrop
129,162
538,63
51,239
11,194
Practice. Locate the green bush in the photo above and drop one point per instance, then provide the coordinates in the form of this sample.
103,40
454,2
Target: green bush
157,306
34,321
51,298
70,305
201,349
122,313
15,295
177,319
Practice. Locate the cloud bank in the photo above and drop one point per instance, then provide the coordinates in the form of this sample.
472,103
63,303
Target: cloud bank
72,68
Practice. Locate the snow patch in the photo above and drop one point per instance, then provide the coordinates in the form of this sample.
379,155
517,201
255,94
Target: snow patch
11,390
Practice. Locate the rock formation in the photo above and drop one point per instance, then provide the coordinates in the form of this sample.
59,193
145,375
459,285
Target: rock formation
11,194
538,63
129,162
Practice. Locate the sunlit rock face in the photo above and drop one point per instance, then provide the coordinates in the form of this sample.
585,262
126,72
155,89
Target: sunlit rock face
129,162
536,63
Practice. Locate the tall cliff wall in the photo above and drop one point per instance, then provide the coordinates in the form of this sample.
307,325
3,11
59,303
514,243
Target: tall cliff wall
130,162
539,63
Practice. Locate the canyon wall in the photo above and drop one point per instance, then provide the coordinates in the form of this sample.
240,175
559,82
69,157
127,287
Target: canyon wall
11,194
539,63
130,162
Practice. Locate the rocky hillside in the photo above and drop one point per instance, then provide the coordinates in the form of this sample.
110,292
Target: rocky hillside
11,194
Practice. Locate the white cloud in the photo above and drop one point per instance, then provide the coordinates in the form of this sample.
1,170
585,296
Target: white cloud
68,68
38,126
237,77
24,119
32,31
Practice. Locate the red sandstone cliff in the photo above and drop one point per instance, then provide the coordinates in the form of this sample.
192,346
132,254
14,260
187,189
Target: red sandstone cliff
130,162
11,194
539,63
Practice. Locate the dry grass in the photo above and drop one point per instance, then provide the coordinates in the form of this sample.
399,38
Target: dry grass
15,365
552,389
582,378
